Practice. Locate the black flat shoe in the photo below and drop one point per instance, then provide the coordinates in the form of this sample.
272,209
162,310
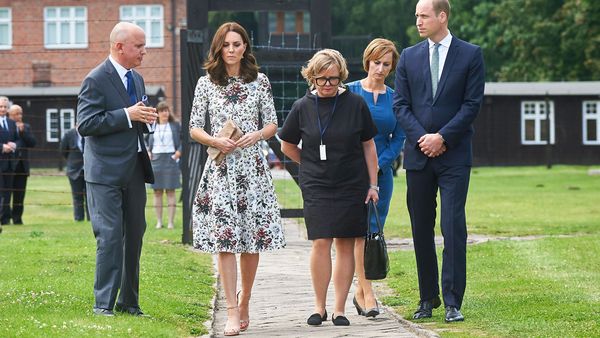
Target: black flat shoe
453,314
359,310
340,320
425,308
316,318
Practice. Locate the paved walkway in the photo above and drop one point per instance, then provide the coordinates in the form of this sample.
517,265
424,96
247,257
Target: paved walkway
282,299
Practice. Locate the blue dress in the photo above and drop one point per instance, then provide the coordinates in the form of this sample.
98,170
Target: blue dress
388,141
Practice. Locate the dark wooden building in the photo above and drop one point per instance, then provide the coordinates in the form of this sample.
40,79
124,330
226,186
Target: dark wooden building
515,128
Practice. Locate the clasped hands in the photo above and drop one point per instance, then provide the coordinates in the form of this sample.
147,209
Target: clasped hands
139,112
227,145
9,147
432,145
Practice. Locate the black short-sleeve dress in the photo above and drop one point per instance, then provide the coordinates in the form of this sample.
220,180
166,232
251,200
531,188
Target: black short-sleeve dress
334,190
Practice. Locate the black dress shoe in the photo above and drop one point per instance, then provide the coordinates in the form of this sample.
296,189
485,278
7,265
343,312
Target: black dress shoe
340,320
17,222
132,310
453,314
103,312
425,308
316,318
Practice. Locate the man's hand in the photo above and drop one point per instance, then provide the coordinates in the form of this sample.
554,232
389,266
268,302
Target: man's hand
20,126
139,112
432,145
9,147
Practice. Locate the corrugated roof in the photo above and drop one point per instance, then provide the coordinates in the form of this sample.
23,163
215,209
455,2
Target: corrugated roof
56,91
542,88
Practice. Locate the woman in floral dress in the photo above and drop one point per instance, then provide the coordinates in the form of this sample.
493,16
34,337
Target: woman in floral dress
235,209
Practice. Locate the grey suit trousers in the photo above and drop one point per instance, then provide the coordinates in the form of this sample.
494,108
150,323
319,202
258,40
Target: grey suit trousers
118,220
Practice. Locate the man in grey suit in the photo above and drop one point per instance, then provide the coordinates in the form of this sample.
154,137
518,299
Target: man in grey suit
71,147
112,119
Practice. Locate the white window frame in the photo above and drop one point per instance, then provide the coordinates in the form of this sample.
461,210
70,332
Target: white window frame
586,116
64,124
538,116
146,21
72,21
7,22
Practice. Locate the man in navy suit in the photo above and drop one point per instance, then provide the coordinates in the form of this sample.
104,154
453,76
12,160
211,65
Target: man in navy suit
439,91
112,119
26,141
8,138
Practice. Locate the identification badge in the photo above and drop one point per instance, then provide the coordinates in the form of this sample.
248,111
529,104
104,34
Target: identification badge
323,152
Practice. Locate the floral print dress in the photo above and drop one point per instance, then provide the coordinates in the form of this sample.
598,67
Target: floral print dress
235,208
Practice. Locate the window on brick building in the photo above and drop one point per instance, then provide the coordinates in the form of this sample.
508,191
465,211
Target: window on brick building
58,121
65,27
534,122
5,28
591,122
150,18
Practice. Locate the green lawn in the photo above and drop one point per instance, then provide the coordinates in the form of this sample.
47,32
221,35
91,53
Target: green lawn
546,287
47,271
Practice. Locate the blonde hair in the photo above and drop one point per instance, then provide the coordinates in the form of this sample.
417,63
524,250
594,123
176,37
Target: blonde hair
376,49
321,61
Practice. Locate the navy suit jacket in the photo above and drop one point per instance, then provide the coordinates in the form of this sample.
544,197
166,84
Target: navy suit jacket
26,141
450,112
8,160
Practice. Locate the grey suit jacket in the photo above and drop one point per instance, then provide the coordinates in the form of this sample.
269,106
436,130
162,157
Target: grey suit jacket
111,147
69,148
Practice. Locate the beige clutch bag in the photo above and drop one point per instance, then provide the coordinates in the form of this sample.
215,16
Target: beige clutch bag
230,130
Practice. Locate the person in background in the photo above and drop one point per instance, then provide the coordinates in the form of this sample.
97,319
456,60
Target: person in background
235,209
71,148
439,90
9,136
26,141
112,118
337,174
379,59
164,149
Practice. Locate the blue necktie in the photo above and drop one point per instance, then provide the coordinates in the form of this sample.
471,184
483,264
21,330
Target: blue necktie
131,88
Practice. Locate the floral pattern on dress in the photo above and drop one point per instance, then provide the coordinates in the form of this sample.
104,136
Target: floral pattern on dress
235,208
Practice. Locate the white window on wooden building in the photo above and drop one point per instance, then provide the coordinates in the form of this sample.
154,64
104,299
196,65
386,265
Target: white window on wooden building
591,122
537,125
58,121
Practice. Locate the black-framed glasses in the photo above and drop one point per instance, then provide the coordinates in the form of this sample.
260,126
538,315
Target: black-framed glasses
333,81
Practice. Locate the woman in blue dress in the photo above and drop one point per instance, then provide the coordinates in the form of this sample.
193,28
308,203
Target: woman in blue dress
379,59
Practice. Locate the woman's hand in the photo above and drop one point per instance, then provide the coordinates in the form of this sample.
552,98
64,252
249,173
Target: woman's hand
224,144
248,139
372,194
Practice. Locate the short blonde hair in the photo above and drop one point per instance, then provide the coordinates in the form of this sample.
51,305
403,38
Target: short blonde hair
321,61
376,49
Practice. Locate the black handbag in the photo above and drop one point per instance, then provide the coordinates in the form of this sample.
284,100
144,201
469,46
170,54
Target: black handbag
377,263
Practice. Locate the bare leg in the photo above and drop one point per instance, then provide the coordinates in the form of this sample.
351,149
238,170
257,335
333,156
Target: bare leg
344,270
228,273
171,205
158,193
248,267
320,271
364,290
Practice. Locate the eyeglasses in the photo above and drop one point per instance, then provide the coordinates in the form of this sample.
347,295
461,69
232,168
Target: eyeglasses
333,81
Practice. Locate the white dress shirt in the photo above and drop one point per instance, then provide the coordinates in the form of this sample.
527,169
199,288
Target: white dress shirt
442,51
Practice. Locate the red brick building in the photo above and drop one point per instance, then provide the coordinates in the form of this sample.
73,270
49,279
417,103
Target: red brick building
48,46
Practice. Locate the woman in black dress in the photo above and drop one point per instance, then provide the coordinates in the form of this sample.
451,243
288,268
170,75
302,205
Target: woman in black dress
337,174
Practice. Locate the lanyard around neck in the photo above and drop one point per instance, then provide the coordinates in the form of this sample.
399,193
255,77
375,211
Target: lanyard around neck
322,130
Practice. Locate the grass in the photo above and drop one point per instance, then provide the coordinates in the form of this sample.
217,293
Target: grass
47,270
545,287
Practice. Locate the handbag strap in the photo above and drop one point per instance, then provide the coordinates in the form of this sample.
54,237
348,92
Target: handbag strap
377,220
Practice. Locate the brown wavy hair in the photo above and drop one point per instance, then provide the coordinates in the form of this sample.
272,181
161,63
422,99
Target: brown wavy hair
215,66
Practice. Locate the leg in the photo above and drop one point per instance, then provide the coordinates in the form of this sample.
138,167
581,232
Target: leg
158,193
248,267
344,270
228,271
6,194
421,200
107,222
320,271
18,198
454,184
134,203
172,205
359,270
78,194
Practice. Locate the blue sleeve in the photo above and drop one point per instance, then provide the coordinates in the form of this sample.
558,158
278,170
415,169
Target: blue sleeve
388,155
